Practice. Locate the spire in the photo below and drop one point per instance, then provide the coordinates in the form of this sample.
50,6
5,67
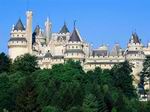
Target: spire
135,38
75,36
75,23
64,29
19,25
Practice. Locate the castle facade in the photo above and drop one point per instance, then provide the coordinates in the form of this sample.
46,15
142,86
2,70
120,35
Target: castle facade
55,48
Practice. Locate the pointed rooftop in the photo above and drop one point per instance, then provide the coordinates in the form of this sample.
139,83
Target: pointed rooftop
75,36
19,25
37,30
64,29
135,38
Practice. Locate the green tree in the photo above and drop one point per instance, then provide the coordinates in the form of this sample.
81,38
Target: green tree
122,79
26,97
62,86
5,97
90,104
50,109
75,109
5,63
145,74
25,63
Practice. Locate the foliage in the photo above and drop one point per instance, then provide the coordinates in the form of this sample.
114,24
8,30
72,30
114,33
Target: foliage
5,63
90,104
67,88
25,63
50,109
145,75
123,79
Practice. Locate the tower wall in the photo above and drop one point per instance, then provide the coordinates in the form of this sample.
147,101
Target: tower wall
29,30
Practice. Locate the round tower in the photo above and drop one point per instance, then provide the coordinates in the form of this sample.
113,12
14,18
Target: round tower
17,44
135,55
75,47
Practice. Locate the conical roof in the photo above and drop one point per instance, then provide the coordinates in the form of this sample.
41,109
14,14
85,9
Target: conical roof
64,29
135,38
75,36
19,25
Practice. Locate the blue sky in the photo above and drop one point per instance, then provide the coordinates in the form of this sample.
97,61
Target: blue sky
99,21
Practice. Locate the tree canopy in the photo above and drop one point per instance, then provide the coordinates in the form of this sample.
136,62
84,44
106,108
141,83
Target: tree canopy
66,88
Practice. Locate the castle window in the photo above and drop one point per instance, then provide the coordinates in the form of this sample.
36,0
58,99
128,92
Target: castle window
72,46
76,46
17,35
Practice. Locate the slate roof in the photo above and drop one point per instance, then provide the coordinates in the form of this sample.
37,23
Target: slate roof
37,30
19,26
135,38
64,29
100,53
48,55
18,39
75,36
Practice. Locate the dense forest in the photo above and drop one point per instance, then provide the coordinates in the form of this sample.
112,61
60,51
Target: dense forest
24,87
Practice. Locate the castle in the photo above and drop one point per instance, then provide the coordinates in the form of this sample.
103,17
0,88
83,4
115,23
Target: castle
55,48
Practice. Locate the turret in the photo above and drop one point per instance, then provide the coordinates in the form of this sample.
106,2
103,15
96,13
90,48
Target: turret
64,33
29,30
135,55
17,44
134,42
75,47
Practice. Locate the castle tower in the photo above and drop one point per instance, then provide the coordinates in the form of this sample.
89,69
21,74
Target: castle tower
48,27
29,30
17,44
75,47
135,55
